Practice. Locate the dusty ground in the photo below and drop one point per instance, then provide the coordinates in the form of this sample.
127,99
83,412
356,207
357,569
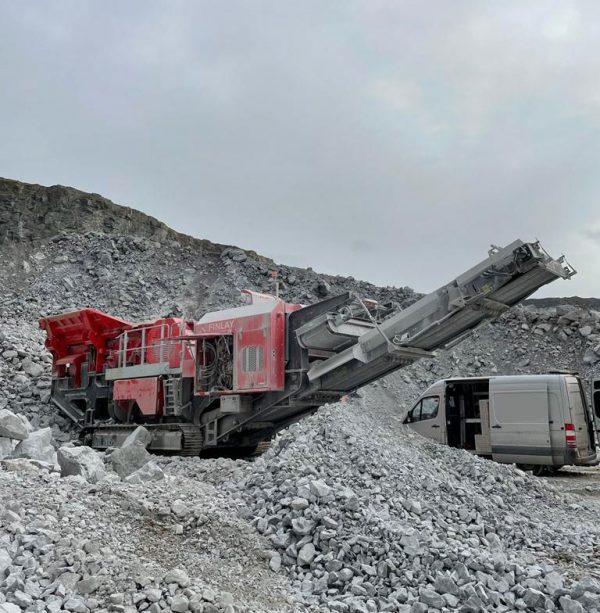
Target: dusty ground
579,480
582,485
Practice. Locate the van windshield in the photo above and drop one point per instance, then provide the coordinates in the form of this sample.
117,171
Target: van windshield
426,408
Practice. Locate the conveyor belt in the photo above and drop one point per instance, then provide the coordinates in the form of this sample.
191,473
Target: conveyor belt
505,278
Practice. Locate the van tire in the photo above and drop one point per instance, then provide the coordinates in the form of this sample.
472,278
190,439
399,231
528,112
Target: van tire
539,470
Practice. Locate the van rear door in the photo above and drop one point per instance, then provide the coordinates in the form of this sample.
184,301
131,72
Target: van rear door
519,421
579,416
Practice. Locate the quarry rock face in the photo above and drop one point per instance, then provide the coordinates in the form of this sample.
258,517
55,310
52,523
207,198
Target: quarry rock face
347,511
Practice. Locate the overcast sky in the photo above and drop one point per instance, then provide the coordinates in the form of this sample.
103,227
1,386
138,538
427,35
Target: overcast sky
390,140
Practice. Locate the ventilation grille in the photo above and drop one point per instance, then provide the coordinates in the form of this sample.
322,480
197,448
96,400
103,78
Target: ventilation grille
252,359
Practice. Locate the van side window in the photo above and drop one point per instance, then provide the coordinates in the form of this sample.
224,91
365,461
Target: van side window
429,407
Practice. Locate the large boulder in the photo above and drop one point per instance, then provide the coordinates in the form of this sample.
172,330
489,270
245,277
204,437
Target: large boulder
177,576
306,555
127,460
82,461
140,436
26,423
6,447
322,288
132,454
32,368
11,426
37,446
148,472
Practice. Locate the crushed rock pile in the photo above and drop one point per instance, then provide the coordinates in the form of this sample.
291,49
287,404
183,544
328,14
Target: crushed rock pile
137,277
576,326
84,531
348,511
363,515
25,377
118,546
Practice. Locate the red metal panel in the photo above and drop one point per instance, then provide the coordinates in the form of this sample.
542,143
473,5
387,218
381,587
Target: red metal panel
264,337
145,392
251,354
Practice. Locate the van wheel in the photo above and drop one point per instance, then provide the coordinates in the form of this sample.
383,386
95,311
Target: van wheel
537,469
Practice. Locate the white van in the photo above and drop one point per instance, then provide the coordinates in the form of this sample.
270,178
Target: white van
537,421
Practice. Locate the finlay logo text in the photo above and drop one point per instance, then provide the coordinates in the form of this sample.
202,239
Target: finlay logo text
216,326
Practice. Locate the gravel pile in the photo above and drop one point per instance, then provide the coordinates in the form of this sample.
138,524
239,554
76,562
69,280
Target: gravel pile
85,531
25,376
121,547
364,515
348,511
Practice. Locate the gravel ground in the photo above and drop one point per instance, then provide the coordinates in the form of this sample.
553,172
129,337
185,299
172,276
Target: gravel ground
579,480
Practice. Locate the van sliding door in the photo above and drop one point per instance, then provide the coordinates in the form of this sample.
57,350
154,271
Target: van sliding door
519,422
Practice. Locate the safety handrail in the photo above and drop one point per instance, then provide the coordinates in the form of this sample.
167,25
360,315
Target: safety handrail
171,335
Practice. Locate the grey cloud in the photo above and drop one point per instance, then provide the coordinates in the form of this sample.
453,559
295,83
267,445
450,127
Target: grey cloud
593,233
